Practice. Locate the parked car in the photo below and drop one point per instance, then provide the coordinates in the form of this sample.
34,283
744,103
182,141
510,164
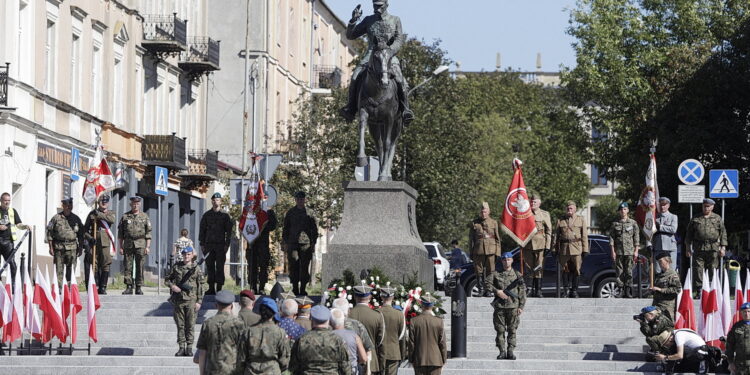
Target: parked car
597,272
435,251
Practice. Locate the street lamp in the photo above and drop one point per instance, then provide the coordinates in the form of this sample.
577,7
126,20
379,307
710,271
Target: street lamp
440,69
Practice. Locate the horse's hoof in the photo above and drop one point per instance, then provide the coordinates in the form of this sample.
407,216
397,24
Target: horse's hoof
361,161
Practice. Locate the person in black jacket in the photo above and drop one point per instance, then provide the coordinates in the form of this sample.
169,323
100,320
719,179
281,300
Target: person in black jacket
214,238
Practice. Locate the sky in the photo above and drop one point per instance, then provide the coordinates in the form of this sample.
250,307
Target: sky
474,31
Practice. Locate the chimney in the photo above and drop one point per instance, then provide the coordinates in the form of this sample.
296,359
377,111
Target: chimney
538,61
498,62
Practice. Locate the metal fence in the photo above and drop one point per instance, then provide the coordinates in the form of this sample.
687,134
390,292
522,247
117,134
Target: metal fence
165,28
326,77
4,84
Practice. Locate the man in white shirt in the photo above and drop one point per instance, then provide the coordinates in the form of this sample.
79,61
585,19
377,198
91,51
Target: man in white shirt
687,351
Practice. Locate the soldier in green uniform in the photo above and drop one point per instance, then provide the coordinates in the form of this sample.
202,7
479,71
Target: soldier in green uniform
395,325
264,347
320,351
507,308
219,338
571,244
303,312
247,302
134,233
653,323
625,240
99,243
666,285
298,240
214,237
426,341
373,321
65,238
738,343
186,298
533,252
484,242
705,241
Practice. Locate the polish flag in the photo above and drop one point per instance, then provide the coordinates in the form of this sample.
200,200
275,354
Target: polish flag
32,322
58,301
46,298
66,305
99,178
685,317
726,306
77,306
14,328
713,328
739,299
92,304
518,220
6,303
747,286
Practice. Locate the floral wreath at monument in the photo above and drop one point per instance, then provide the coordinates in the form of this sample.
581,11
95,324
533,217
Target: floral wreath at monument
407,298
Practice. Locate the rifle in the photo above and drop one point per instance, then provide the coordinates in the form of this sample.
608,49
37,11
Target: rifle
513,285
183,284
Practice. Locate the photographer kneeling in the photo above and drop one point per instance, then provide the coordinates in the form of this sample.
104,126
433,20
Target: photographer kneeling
686,351
653,323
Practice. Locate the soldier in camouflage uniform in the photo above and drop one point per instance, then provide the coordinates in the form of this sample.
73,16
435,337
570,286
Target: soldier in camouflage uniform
507,308
219,338
533,252
264,347
706,239
484,243
186,298
134,233
298,240
666,286
65,238
99,243
571,244
738,343
653,323
624,239
320,351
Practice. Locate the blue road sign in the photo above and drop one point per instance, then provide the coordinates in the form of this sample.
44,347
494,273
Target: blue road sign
724,183
160,183
75,163
691,172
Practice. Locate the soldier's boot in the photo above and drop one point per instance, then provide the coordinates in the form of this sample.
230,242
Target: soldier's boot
211,291
180,352
128,290
302,289
538,291
501,355
573,287
188,351
138,290
510,355
403,95
349,112
218,287
480,285
629,291
295,289
103,279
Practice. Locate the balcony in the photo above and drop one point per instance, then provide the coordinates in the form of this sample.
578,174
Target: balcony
4,85
201,169
164,35
202,56
164,151
326,77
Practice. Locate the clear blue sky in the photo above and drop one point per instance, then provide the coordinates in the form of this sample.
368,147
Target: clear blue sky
474,31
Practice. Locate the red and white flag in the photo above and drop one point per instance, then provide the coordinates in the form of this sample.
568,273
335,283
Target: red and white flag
46,298
726,304
92,304
76,306
747,285
254,218
32,323
14,328
66,305
518,220
99,178
6,302
685,317
712,328
645,213
739,299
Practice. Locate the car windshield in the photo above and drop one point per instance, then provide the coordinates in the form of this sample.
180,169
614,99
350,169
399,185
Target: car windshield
431,250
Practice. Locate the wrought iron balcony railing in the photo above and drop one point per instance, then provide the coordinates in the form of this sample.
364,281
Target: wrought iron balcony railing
165,151
202,164
326,77
202,55
164,34
4,84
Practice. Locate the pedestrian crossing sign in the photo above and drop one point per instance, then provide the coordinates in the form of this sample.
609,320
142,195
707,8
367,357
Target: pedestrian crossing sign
161,178
724,183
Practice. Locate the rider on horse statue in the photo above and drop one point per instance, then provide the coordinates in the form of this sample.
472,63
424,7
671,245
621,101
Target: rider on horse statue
379,26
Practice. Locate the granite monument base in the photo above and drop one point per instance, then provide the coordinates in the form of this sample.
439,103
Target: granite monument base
378,229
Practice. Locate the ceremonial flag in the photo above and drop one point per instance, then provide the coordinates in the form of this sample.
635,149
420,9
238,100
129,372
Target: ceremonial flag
747,286
46,298
58,301
66,305
77,306
739,299
645,213
99,177
92,304
712,325
518,219
685,317
14,328
254,218
725,307
6,303
32,323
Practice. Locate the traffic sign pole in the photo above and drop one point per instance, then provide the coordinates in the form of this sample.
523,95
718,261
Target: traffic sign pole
158,248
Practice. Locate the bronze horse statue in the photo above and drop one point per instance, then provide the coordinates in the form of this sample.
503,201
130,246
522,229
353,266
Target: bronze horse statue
379,109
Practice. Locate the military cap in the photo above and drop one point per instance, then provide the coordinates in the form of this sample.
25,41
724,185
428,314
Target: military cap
187,249
248,293
362,290
485,205
387,291
708,201
663,254
287,295
135,198
379,2
648,309
224,297
428,300
622,205
304,302
216,195
104,198
300,194
270,303
664,200
570,203
506,255
745,306
534,195
67,201
320,314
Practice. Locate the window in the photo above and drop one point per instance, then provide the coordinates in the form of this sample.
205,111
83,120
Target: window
173,105
50,50
117,97
138,120
597,176
75,70
279,7
96,73
24,44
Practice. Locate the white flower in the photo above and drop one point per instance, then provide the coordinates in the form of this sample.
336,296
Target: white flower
351,306
388,283
397,303
341,289
376,303
334,285
419,289
372,278
348,287
377,278
374,292
377,286
349,297
328,304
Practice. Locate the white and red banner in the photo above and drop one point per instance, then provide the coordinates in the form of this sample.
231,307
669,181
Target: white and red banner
518,220
99,178
6,303
685,317
254,218
76,307
725,304
92,304
14,327
712,328
739,299
32,323
46,298
645,212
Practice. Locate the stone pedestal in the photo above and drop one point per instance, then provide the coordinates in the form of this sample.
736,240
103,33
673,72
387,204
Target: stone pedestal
378,229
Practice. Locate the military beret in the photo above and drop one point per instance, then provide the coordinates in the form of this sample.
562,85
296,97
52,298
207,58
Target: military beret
270,303
320,314
745,306
663,254
224,297
648,309
506,255
67,201
622,205
570,203
187,249
362,290
300,194
216,195
104,198
248,293
708,201
135,198
387,291
665,200
535,195
287,295
304,302
428,300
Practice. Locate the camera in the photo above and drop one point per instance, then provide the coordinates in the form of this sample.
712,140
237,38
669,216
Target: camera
640,317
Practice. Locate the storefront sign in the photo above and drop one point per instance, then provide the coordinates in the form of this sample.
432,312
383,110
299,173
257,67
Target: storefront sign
58,158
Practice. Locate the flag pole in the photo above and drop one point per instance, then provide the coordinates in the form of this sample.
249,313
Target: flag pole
654,142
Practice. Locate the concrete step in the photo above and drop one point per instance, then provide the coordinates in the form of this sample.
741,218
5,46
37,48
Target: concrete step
550,365
543,339
522,345
86,361
192,369
560,355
